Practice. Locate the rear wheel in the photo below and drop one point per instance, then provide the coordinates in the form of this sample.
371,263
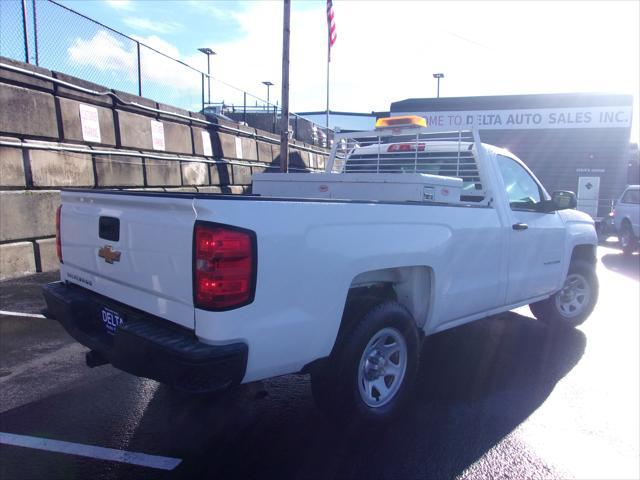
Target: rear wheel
382,367
370,373
573,304
628,241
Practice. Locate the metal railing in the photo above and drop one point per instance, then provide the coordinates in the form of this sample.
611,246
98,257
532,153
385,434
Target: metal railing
56,37
422,151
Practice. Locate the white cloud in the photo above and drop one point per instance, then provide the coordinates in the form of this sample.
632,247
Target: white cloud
210,8
151,25
165,71
126,5
104,52
107,53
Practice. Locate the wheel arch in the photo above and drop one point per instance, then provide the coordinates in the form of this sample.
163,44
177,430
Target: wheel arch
626,222
584,252
410,286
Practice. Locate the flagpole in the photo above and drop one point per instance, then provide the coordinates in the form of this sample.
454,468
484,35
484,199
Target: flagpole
328,65
331,38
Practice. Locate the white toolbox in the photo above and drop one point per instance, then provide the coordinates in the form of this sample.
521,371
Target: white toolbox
392,187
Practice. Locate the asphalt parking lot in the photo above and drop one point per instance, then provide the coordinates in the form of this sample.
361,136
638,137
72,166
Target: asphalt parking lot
500,398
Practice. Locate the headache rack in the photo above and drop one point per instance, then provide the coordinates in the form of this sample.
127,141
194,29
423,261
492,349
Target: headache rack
411,150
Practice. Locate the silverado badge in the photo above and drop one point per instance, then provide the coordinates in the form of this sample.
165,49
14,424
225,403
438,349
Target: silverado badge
108,254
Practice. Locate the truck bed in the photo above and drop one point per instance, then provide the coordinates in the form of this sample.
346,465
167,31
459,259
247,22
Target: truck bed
309,251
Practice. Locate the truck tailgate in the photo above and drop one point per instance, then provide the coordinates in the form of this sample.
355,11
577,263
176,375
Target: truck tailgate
135,249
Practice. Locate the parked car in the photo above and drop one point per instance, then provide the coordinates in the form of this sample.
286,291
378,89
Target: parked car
627,219
338,274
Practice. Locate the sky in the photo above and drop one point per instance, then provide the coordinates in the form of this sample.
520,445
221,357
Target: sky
385,51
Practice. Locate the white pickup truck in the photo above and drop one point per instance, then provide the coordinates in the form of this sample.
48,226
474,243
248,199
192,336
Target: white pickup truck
407,233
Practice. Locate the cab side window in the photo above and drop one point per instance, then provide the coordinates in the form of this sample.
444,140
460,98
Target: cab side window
632,196
522,190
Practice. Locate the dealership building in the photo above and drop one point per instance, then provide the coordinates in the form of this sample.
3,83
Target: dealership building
577,142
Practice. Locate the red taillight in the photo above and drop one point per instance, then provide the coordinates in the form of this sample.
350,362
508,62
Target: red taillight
406,147
58,236
224,267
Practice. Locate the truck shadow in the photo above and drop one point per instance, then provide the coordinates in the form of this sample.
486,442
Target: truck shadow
477,383
628,265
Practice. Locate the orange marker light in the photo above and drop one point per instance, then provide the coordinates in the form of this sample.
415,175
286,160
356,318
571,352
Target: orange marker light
402,121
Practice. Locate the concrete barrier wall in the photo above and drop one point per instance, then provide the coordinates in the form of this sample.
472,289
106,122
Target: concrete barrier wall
43,148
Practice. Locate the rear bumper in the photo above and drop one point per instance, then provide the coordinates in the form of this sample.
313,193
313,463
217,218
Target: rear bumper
146,346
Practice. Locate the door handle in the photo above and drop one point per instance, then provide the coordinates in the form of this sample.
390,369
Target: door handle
520,226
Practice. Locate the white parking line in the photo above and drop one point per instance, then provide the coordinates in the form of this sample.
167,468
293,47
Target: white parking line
20,314
101,453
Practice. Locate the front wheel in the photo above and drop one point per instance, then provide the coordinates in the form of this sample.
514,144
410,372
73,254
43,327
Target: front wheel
370,373
628,240
573,304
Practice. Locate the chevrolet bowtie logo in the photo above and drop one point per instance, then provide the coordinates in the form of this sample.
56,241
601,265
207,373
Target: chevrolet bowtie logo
108,254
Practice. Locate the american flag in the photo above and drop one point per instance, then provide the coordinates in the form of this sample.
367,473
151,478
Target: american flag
331,26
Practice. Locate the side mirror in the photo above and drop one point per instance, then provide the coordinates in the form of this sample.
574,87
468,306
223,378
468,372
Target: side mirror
564,199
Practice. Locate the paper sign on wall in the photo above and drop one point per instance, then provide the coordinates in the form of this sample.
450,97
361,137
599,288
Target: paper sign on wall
89,123
206,144
238,147
157,135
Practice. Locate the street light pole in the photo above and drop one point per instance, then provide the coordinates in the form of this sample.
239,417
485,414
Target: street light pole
208,52
209,79
269,85
438,76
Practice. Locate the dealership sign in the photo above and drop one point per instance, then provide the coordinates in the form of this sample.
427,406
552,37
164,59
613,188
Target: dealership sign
550,118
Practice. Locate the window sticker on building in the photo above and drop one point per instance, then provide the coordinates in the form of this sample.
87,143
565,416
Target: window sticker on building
90,123
157,135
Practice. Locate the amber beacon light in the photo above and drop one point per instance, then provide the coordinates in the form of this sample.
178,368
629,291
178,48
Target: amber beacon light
402,121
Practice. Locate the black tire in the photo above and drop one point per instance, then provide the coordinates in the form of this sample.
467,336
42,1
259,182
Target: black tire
628,241
336,389
549,310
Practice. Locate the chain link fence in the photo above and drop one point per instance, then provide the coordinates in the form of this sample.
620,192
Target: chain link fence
71,44
53,36
12,32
